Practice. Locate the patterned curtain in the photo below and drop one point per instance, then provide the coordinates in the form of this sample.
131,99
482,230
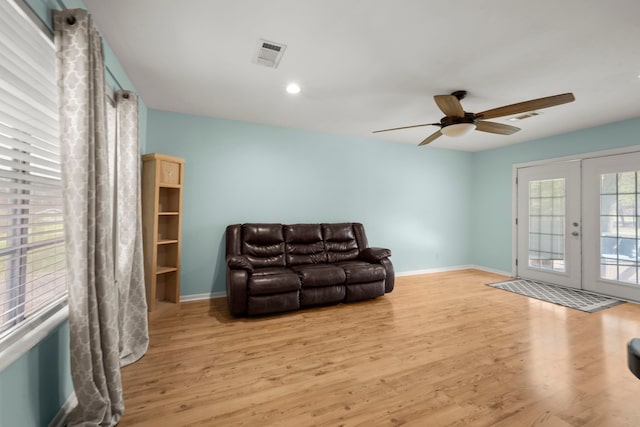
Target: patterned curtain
129,261
103,260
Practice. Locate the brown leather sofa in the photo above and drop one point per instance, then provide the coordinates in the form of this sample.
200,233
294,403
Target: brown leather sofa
276,267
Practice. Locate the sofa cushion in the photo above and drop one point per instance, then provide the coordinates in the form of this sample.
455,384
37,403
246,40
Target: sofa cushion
304,244
272,281
340,242
263,304
322,295
263,245
363,291
362,271
319,275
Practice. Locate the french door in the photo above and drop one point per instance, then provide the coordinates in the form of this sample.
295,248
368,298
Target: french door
549,223
611,199
578,224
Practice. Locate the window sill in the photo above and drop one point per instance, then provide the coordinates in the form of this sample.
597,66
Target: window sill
29,334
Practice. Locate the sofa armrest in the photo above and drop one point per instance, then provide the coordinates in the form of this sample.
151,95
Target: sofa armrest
239,262
237,291
375,254
390,280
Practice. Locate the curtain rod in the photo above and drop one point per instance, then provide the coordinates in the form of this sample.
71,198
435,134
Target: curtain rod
63,6
113,77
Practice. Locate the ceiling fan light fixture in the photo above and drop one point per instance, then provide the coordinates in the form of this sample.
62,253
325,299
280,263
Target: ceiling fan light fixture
458,129
458,122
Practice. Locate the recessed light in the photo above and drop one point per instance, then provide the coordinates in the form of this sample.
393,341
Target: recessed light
293,88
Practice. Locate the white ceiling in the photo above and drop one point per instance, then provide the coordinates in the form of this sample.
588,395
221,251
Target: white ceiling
372,64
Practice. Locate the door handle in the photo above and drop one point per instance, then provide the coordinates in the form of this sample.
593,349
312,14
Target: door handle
575,233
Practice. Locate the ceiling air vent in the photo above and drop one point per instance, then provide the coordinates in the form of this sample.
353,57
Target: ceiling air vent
524,116
269,53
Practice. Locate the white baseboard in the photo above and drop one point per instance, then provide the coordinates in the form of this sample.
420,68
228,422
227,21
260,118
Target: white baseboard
452,268
492,270
60,420
212,295
433,270
199,297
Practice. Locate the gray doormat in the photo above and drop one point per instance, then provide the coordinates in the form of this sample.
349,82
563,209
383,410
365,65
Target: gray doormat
572,298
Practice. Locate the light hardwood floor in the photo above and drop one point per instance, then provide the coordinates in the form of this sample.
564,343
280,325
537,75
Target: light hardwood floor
441,349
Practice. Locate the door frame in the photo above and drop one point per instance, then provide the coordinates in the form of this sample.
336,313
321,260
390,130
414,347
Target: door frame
514,186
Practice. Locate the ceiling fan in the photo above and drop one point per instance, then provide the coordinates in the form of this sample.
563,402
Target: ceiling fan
458,122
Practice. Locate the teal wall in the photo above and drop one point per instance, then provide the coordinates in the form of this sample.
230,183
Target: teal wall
491,229
413,200
434,208
34,387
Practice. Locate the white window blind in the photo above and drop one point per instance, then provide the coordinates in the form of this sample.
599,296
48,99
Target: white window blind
32,253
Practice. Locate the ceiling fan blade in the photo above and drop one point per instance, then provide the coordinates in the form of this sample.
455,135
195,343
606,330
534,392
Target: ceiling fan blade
493,127
523,107
431,138
407,127
450,105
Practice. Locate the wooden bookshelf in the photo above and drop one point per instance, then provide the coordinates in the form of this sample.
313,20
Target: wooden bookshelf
162,179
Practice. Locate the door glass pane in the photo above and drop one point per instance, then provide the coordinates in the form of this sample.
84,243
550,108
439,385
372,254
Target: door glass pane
608,204
608,184
619,244
546,224
626,182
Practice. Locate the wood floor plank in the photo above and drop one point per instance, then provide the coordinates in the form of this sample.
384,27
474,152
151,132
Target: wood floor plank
440,350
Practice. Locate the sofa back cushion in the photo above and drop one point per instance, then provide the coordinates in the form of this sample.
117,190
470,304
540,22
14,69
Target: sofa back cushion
340,242
304,244
263,245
